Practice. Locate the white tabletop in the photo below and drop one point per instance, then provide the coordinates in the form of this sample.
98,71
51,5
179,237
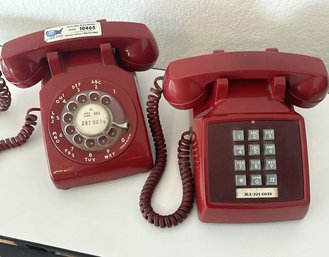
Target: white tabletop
104,219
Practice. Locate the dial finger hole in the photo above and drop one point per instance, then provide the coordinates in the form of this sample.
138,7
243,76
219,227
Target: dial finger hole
90,143
113,132
94,96
78,139
72,106
106,100
70,130
82,98
68,117
103,140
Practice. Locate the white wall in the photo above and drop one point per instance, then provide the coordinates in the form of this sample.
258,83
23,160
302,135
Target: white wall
187,28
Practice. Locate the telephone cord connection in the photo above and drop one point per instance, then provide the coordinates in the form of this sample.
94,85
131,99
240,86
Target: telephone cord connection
28,127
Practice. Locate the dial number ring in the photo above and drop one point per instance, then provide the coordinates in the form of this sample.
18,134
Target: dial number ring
93,124
93,120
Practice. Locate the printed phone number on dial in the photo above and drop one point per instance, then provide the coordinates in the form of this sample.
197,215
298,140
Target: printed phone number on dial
92,122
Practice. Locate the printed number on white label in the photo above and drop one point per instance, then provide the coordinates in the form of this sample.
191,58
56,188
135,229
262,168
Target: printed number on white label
73,31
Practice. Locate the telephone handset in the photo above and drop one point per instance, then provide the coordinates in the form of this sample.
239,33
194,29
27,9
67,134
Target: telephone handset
93,125
249,145
24,60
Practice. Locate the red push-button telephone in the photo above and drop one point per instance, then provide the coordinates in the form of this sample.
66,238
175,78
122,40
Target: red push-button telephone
249,145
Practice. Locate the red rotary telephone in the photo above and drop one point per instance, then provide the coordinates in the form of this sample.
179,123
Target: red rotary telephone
93,125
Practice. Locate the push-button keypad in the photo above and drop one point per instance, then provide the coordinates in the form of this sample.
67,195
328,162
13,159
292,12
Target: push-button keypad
280,177
254,157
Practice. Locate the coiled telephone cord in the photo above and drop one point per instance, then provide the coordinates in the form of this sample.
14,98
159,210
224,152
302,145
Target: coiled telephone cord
5,96
28,126
184,146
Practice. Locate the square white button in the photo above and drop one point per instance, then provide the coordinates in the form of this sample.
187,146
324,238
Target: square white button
239,165
240,180
270,164
253,134
255,180
255,164
271,180
269,149
238,150
254,149
237,135
268,134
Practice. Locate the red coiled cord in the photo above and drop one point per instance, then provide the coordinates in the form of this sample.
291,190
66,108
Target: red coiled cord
5,96
28,126
184,146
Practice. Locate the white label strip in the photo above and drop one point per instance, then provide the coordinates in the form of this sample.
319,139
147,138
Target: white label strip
73,31
262,192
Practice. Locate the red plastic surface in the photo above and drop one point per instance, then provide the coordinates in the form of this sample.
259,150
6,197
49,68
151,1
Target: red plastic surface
23,59
245,86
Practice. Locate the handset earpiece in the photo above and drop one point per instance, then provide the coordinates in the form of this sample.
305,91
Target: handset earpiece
24,72
308,93
137,55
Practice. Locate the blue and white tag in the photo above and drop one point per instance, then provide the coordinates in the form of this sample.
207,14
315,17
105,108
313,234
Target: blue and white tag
89,29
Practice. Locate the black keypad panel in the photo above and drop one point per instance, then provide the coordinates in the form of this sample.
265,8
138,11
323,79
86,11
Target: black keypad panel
250,161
